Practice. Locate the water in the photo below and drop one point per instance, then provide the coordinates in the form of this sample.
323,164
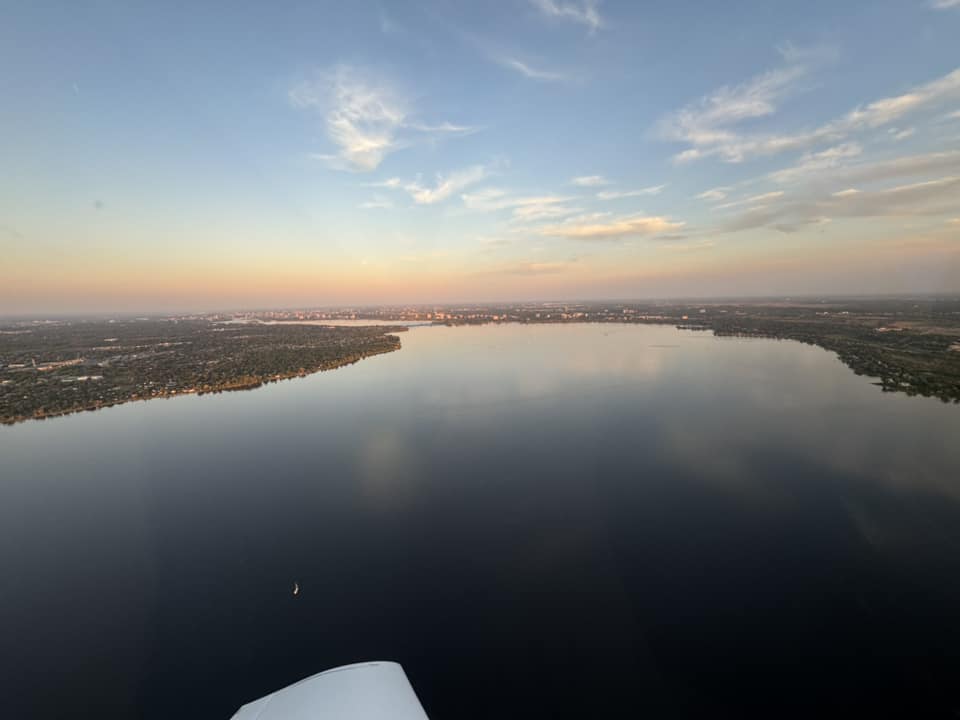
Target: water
535,521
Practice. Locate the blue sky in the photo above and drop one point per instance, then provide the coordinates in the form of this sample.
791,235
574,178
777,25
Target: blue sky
172,156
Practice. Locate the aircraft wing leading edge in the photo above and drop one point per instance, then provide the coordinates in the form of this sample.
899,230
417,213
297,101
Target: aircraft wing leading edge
363,691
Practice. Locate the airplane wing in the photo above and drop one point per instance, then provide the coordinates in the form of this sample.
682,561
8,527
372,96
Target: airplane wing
363,691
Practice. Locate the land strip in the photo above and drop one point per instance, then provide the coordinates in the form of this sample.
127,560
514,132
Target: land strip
56,368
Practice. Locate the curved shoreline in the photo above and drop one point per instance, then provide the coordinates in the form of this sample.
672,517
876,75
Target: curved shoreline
906,361
249,383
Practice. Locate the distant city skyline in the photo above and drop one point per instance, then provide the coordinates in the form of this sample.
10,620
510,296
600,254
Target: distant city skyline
323,154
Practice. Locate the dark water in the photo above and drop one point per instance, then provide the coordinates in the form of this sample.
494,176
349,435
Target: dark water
535,521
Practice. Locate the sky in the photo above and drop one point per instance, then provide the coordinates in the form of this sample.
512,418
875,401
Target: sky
202,156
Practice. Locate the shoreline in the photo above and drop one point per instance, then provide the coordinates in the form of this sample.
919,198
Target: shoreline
897,369
903,362
252,383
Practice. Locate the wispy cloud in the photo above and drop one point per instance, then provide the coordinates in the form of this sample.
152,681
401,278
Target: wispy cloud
487,199
708,126
922,198
589,181
817,162
544,209
898,134
524,208
841,190
907,166
616,228
617,194
752,200
884,111
714,194
363,117
444,187
444,128
584,12
945,4
531,72
930,197
392,183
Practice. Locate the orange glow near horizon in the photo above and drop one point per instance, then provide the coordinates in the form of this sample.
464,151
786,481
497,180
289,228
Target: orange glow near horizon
929,261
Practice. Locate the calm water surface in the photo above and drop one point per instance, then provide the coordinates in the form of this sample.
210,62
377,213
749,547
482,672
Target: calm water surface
585,520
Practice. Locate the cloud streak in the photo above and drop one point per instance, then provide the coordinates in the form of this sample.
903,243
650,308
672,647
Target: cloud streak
582,12
361,118
897,134
618,228
527,208
708,127
906,166
445,186
364,118
752,200
530,71
617,194
714,194
589,181
927,198
817,162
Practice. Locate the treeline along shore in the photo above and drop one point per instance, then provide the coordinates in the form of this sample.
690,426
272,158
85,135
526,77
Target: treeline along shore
909,344
48,369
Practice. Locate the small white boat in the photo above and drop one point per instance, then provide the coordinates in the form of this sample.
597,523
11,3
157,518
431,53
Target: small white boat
296,588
